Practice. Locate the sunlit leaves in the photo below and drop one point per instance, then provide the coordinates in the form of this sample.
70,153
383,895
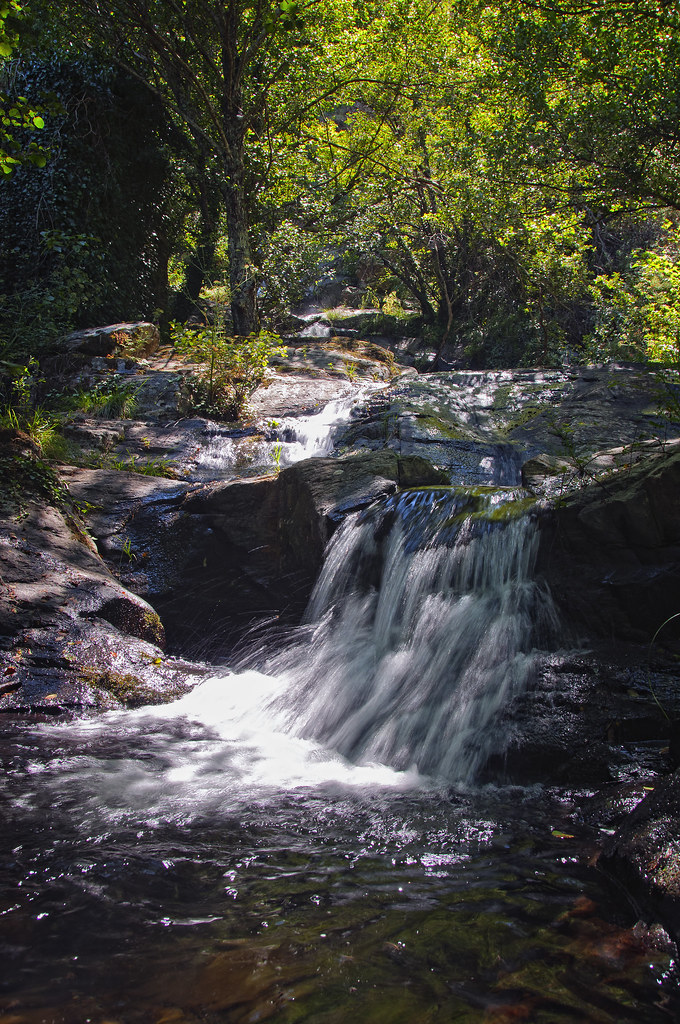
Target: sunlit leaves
638,310
15,113
601,87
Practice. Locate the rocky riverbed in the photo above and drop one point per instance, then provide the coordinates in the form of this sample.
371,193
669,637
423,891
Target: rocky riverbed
123,588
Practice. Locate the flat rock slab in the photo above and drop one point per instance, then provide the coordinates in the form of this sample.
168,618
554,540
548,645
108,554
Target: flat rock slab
482,426
297,395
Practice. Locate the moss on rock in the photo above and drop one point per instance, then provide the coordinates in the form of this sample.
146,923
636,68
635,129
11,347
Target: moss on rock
127,688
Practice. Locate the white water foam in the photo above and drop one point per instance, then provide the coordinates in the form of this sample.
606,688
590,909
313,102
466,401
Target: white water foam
214,752
292,439
413,671
307,437
421,628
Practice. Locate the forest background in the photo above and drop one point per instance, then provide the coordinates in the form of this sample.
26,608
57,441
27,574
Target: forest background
501,179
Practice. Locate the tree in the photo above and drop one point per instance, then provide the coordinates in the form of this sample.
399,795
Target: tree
439,205
16,114
214,65
87,239
599,87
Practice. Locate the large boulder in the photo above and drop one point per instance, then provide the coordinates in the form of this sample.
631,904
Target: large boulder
71,635
611,552
214,559
138,338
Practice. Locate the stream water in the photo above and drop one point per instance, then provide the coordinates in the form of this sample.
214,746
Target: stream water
303,838
291,439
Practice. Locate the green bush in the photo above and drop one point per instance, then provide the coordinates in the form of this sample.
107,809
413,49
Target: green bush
230,368
113,398
638,308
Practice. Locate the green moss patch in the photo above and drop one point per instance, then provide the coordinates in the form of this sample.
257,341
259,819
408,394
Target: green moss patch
127,688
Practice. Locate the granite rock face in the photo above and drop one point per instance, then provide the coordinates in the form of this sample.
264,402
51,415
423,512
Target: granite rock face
215,559
139,337
483,426
71,635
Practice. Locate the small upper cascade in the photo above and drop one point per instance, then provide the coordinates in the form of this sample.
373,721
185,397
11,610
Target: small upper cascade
313,436
244,453
424,623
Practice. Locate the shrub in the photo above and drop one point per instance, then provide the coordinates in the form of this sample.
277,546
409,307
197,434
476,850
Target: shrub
231,368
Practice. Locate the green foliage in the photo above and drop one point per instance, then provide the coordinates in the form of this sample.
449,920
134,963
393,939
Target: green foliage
277,451
86,241
132,463
476,159
19,411
231,367
232,80
25,475
114,397
9,11
16,114
638,308
289,261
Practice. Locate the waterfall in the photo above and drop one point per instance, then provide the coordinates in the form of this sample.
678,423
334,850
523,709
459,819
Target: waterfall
313,436
422,626
289,440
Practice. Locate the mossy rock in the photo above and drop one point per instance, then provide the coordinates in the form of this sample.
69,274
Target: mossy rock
440,428
127,688
415,471
135,617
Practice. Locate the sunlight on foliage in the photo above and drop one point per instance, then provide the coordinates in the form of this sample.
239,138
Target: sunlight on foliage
229,369
639,308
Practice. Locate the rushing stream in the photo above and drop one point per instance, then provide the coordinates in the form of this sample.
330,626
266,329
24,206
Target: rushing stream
303,839
292,439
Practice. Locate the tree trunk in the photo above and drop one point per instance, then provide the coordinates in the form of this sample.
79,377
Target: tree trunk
201,259
242,270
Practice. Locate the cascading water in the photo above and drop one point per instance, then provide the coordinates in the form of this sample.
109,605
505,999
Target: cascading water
289,440
421,627
306,437
262,848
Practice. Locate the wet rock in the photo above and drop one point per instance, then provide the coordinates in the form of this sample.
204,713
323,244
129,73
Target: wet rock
588,718
538,471
674,742
611,552
65,620
214,559
483,425
645,851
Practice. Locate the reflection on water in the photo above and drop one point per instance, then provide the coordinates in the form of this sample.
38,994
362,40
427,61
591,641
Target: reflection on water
154,869
243,854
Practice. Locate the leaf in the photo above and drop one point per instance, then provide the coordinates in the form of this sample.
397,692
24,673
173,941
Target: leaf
561,835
